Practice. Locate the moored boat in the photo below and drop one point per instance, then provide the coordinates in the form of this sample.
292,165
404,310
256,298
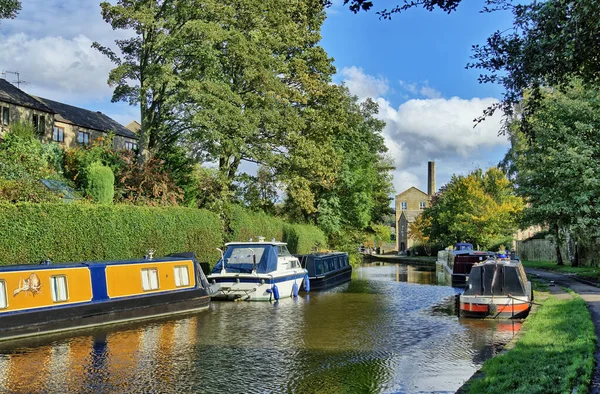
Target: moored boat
496,288
326,270
457,263
50,298
257,271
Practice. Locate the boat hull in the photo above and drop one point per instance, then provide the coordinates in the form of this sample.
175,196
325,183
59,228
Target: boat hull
331,279
494,307
254,287
85,316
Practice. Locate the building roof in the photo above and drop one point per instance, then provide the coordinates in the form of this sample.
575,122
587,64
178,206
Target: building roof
411,189
134,126
85,118
11,94
411,215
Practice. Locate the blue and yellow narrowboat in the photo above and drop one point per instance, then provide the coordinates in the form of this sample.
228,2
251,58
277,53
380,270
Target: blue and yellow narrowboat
50,298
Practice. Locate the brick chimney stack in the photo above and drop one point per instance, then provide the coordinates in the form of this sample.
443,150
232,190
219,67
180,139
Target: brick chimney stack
431,178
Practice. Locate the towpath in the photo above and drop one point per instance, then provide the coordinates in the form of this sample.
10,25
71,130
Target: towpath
590,294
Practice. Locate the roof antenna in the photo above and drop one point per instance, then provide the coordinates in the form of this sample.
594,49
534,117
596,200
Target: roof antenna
18,81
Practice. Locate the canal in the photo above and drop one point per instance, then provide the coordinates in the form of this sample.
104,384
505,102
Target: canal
391,330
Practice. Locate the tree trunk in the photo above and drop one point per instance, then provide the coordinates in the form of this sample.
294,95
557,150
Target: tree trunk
559,260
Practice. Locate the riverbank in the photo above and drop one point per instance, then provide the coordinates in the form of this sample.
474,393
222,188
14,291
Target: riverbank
590,275
555,350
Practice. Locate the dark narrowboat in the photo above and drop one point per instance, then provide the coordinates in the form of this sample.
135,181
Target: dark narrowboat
326,270
50,298
462,263
496,288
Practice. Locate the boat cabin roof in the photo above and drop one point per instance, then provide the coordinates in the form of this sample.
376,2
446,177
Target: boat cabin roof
259,243
51,265
497,277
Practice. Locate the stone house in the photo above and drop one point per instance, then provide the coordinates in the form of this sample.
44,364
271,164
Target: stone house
67,125
409,205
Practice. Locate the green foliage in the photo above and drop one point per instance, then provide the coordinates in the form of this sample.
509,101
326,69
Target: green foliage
79,232
100,183
22,190
9,8
339,176
559,173
550,43
478,208
244,224
78,160
23,156
555,353
304,238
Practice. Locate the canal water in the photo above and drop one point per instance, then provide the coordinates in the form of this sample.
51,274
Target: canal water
392,329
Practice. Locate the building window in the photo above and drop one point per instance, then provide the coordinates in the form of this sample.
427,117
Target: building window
42,128
422,205
3,298
130,145
150,279
83,138
59,288
58,134
404,205
35,121
5,116
182,277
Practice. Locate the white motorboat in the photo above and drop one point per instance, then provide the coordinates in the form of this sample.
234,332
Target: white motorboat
257,271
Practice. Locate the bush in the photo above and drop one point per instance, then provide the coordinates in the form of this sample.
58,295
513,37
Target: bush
13,191
78,161
101,183
150,184
80,232
244,224
304,238
22,155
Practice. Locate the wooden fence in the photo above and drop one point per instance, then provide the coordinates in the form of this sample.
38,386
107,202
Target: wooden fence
538,250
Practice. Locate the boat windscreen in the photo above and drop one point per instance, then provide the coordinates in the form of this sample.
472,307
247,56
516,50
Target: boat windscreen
239,259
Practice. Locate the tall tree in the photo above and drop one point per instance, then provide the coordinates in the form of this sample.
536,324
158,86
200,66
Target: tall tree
355,191
480,208
252,69
558,174
145,71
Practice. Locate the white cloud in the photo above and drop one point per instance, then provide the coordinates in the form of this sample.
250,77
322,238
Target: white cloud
429,92
363,85
421,89
431,128
57,68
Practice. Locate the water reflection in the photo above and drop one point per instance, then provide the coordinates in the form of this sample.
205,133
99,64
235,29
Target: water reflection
391,329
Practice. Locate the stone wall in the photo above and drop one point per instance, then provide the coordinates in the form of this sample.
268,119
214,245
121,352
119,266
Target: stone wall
18,113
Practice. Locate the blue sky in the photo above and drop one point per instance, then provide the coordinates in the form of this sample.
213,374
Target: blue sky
413,66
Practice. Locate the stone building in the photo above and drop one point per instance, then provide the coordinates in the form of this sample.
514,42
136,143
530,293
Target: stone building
67,125
409,205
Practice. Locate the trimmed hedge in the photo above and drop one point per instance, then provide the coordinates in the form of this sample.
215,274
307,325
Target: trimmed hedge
301,238
79,232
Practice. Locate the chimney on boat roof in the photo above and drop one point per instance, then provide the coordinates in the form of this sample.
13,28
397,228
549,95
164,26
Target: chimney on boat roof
430,178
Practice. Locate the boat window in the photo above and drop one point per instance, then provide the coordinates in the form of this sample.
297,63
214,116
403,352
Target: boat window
3,298
182,277
149,279
59,288
319,267
282,250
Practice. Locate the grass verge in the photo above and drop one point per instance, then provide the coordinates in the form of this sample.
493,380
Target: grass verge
555,354
590,273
